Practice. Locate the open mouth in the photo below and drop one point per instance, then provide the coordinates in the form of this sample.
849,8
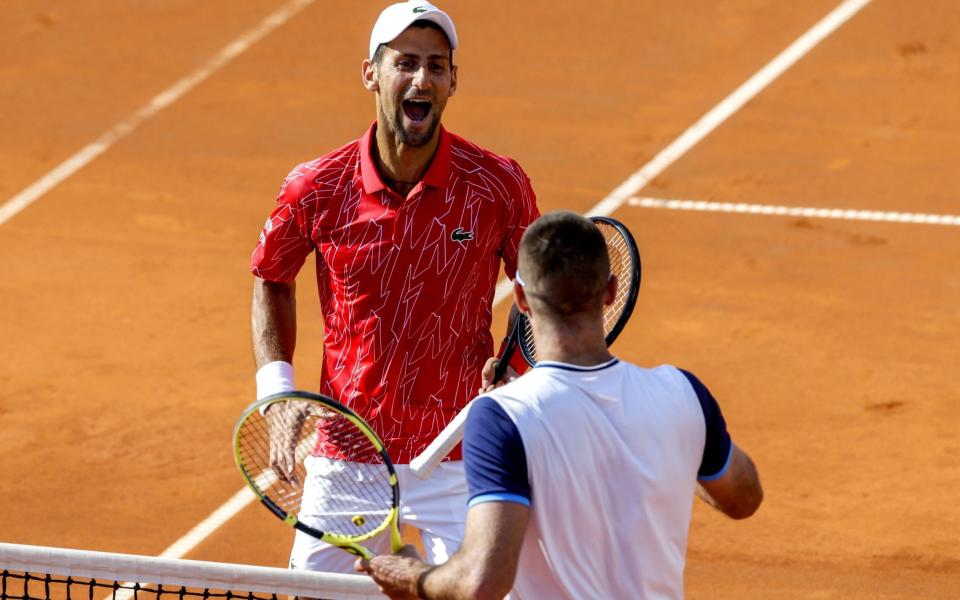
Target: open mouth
416,110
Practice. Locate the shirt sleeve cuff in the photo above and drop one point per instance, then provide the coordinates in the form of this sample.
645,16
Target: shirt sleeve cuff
499,497
722,471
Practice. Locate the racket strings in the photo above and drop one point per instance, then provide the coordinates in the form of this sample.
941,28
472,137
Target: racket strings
526,334
254,446
622,266
353,490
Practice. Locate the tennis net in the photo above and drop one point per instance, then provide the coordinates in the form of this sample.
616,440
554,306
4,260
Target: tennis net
43,573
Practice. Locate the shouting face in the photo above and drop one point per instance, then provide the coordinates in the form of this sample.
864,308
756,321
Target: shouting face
413,78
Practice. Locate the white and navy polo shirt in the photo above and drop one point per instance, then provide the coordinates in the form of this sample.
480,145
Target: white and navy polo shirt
607,458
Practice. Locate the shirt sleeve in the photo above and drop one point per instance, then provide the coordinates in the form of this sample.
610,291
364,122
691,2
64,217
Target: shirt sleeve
285,241
718,448
524,211
493,455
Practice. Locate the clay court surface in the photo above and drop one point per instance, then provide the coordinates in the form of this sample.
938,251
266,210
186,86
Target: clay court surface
831,344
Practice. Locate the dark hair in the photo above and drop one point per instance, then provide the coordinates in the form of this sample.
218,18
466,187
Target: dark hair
419,24
564,264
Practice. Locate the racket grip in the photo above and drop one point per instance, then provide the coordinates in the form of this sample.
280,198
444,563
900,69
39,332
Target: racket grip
427,461
502,363
504,360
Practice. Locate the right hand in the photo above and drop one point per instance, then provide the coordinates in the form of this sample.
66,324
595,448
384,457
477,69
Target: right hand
284,422
486,376
397,575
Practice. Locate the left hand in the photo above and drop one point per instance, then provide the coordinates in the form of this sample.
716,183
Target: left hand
396,574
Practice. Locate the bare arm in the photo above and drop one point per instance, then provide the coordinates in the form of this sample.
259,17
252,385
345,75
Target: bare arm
274,323
737,493
484,566
274,320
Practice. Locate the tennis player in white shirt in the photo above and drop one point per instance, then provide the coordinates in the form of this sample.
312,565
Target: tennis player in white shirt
582,472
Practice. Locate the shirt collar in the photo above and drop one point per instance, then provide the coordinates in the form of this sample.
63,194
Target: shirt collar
568,367
437,175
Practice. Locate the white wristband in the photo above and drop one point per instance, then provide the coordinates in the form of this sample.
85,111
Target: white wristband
273,378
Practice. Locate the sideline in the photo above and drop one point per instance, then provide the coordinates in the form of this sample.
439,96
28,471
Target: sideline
716,116
614,200
728,106
86,155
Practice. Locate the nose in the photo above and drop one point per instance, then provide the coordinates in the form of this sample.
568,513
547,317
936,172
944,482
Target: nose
421,78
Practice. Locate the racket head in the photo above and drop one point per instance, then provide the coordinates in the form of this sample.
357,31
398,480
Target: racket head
521,336
625,264
528,348
354,494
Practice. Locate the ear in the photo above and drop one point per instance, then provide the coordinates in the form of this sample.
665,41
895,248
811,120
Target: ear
368,72
520,298
453,80
613,284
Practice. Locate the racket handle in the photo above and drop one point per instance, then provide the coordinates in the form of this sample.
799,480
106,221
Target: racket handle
424,465
505,355
502,363
426,462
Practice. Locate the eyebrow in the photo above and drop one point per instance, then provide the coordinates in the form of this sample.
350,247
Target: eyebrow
429,56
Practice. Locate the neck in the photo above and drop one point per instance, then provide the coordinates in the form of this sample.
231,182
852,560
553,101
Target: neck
574,342
401,165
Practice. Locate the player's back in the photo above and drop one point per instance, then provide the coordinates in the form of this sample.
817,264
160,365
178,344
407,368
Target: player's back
612,457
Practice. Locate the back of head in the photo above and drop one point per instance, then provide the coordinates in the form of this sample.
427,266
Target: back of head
563,264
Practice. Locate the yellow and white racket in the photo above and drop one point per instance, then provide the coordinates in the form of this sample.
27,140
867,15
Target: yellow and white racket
352,488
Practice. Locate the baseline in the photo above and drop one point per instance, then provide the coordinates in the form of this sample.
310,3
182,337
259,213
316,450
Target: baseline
797,211
699,130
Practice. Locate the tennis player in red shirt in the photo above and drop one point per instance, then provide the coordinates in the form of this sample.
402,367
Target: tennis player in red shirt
409,226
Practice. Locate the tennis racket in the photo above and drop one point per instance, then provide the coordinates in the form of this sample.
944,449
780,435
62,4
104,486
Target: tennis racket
624,263
348,495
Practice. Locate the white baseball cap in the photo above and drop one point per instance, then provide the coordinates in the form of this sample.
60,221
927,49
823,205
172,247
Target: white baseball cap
395,19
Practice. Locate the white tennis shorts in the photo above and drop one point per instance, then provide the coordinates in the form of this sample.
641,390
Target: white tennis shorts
436,506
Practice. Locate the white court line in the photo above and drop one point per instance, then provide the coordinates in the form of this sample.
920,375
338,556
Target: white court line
230,508
716,116
797,211
504,289
728,106
67,168
621,194
86,155
82,158
202,530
